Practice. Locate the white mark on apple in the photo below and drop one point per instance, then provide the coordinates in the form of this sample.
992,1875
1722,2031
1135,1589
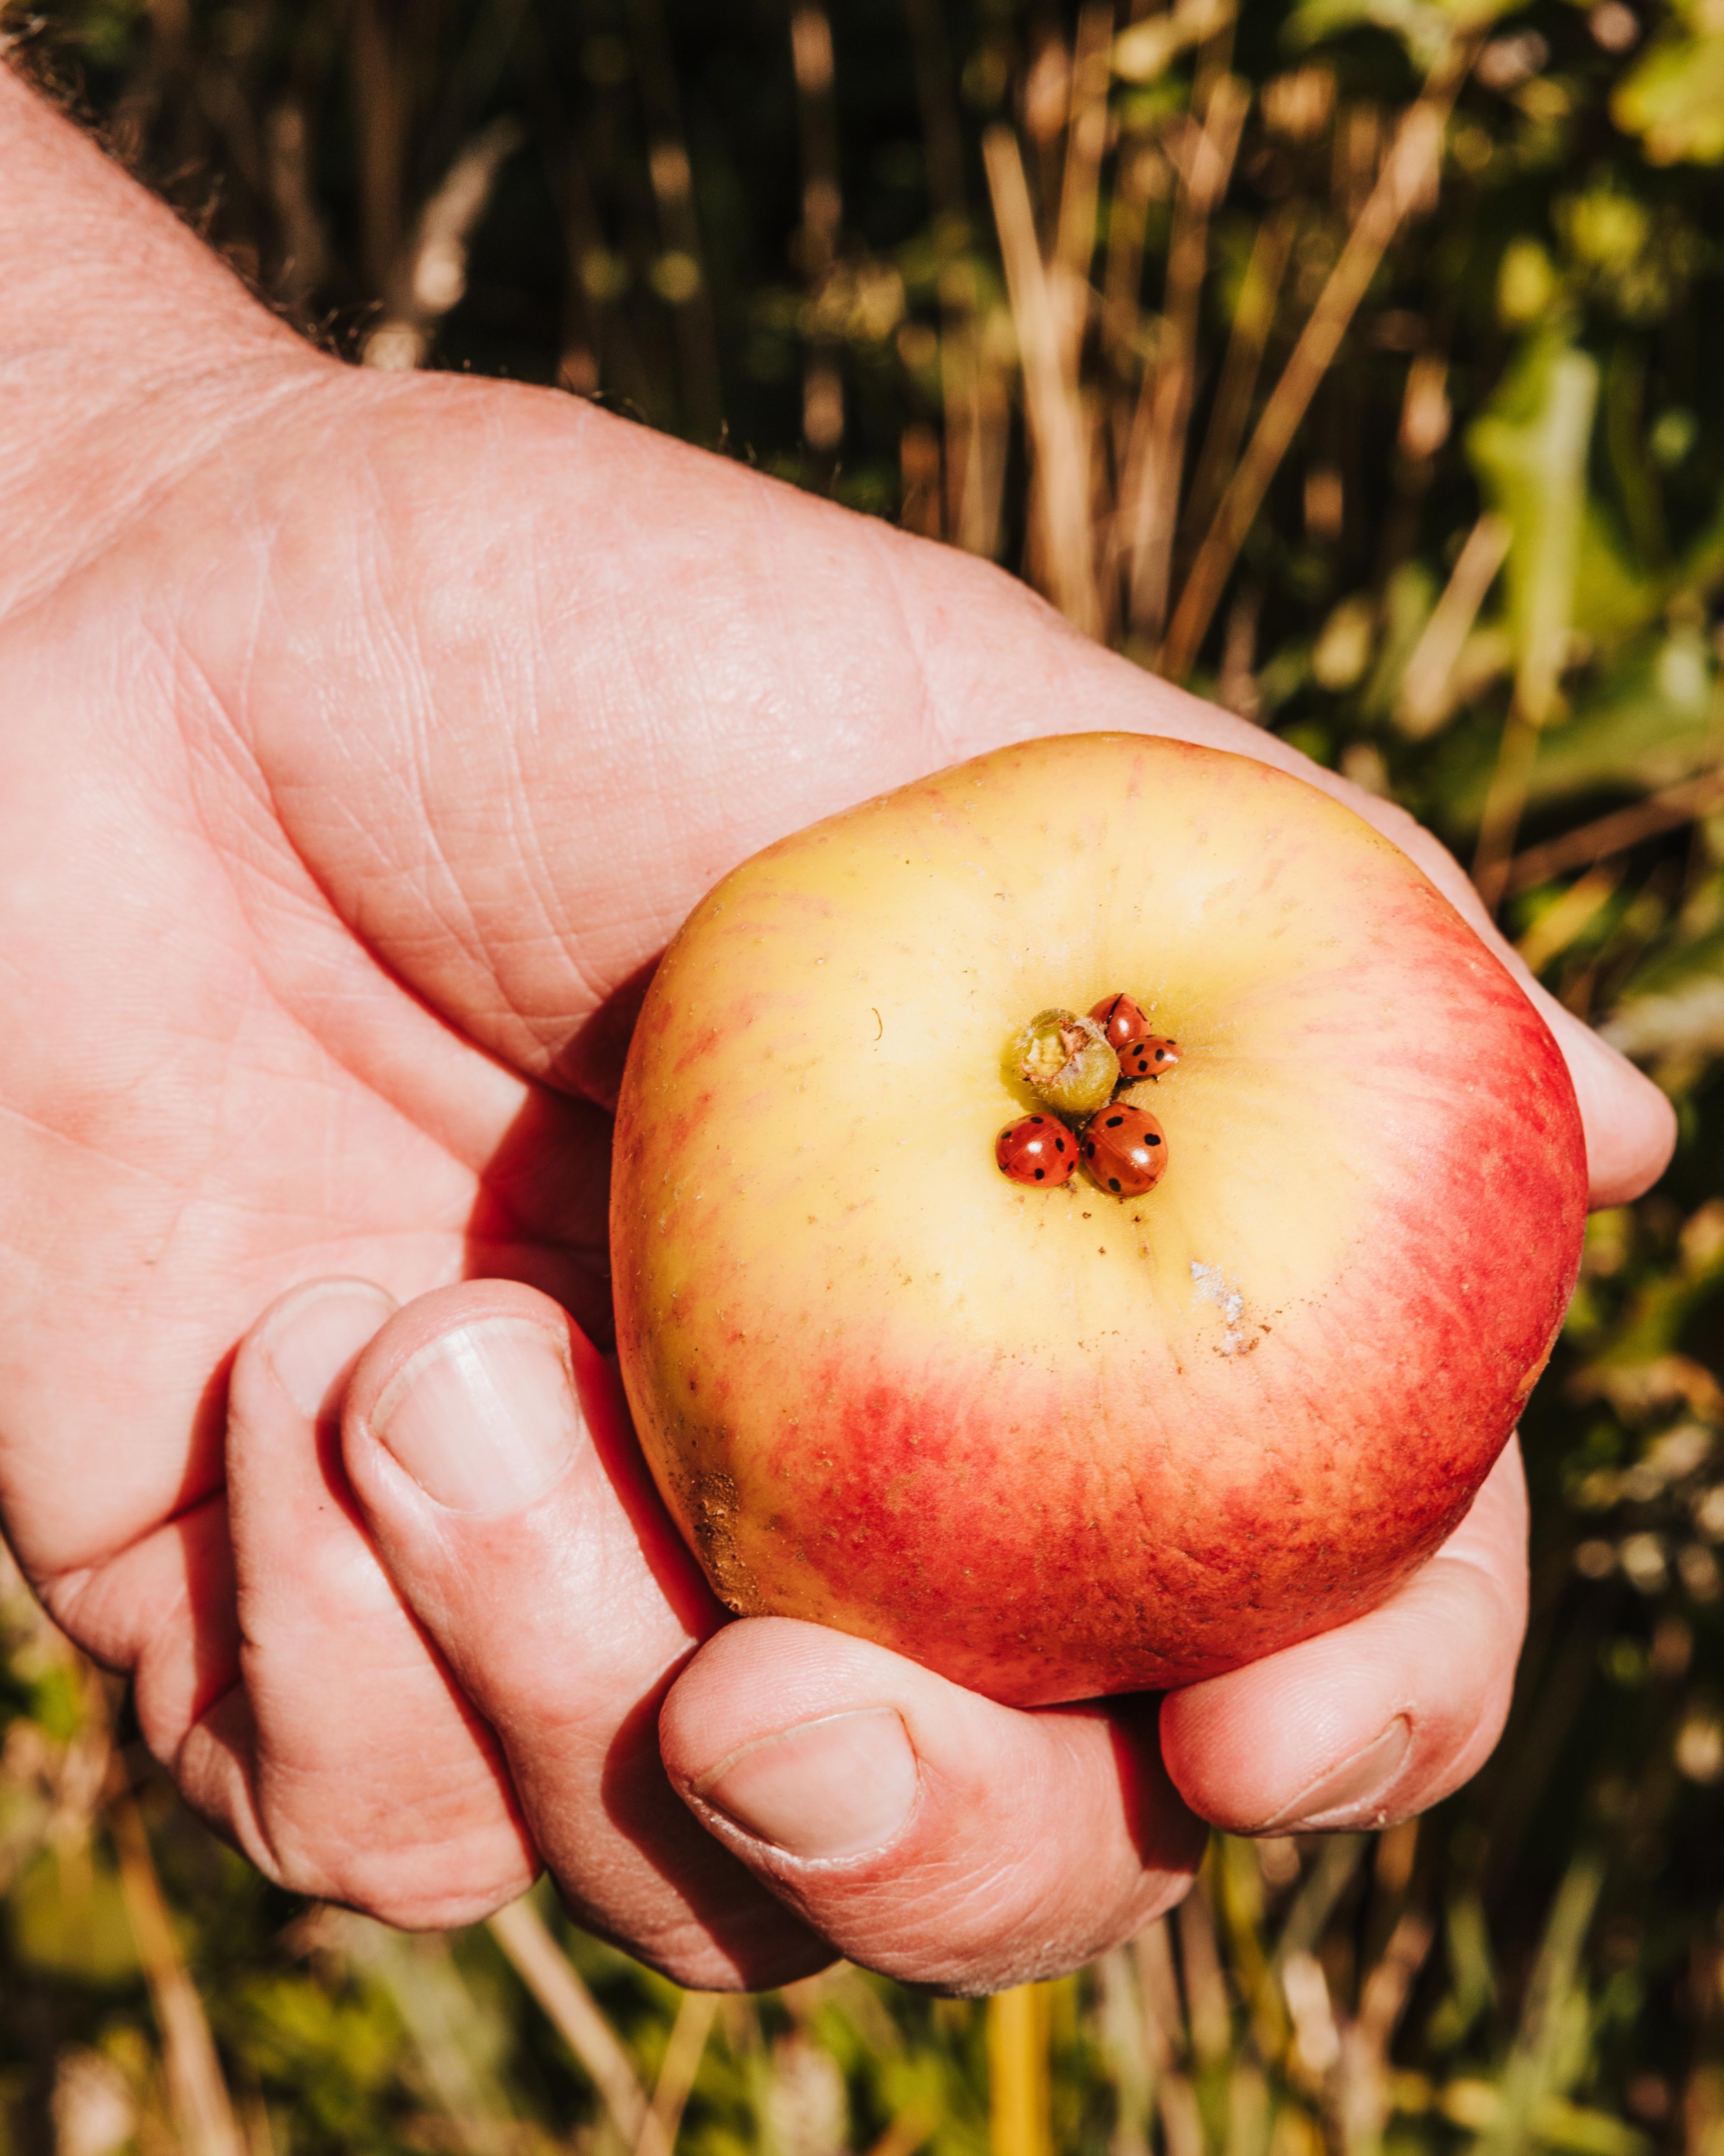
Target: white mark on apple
1212,1285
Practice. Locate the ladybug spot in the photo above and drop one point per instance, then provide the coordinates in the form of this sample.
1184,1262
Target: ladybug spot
1113,1121
1152,1141
1059,1145
1039,1173
1113,1182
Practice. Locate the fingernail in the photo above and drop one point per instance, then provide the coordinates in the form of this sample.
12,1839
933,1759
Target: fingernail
313,1340
833,1788
484,1419
1351,1785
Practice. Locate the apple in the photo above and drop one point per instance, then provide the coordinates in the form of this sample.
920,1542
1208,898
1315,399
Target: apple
1050,1443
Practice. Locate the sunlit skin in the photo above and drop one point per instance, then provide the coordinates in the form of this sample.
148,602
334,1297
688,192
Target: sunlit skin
1058,1444
362,739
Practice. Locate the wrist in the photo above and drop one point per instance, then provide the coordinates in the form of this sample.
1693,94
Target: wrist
127,350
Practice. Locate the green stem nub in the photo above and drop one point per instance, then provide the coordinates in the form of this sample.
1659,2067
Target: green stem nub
1067,1060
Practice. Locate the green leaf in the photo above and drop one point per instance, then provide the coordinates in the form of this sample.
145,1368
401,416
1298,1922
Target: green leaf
1653,721
1424,27
69,1919
1530,451
1675,99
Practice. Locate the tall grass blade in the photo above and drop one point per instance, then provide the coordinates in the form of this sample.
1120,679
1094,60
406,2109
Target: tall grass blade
551,1978
202,2109
1149,495
1058,432
1019,2098
1406,178
680,2064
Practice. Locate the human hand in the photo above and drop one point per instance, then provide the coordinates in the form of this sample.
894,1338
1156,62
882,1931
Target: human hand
916,1826
366,737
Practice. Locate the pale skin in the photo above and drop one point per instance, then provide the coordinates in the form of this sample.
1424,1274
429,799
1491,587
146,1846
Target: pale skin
362,737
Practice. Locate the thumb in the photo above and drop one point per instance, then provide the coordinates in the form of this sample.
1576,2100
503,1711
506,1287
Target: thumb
488,1446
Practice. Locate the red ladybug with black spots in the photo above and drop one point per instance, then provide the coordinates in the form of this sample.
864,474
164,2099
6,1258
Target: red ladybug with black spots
1121,1020
1124,1151
1037,1151
1152,1057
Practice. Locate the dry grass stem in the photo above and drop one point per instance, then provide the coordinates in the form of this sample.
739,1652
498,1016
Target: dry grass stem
1207,2007
1362,2098
1086,145
1614,833
821,215
1141,172
431,275
1163,2017
1557,926
676,2073
942,126
1181,2121
1020,2117
1516,755
1148,48
1058,433
967,485
1253,317
1425,700
1236,688
382,108
1404,180
1149,492
978,414
906,2133
203,2110
681,273
305,247
551,1977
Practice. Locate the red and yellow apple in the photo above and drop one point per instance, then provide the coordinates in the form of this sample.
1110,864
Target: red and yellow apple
1048,1442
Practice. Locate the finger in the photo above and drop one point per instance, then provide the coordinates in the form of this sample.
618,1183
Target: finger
489,1447
343,1760
926,1831
1378,1719
1630,1125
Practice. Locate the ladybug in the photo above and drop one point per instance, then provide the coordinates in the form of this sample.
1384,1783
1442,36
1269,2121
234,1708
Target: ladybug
1037,1149
1124,1151
1121,1021
1152,1057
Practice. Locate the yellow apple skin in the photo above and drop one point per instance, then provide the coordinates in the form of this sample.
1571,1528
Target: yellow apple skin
1048,1442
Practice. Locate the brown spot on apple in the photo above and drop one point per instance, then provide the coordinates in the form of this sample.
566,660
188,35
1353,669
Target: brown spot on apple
712,1518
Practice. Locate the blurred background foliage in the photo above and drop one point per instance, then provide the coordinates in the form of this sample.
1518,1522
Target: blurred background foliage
1347,359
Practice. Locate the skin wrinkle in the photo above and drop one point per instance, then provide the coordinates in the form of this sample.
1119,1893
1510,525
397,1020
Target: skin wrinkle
213,705
530,853
939,743
465,929
187,394
273,1835
63,1591
226,1049
10,1112
1010,1903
